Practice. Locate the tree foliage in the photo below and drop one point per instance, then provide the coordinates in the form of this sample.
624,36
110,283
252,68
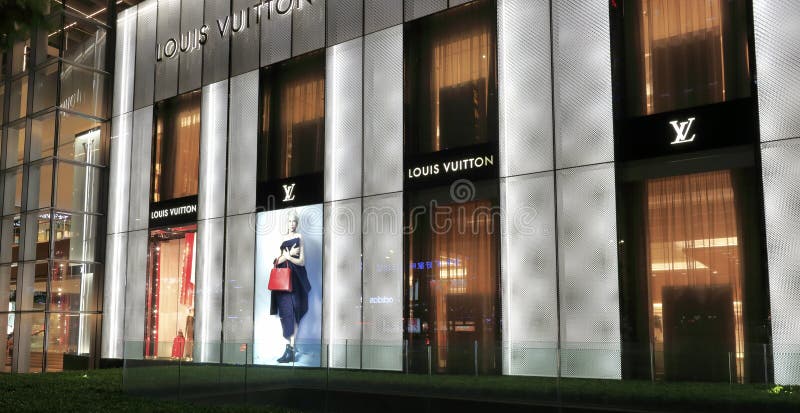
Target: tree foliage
18,18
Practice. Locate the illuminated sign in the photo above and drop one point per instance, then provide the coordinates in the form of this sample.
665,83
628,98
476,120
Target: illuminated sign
173,212
450,167
288,191
236,22
682,130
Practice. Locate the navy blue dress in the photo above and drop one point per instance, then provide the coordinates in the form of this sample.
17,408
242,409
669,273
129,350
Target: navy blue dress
291,306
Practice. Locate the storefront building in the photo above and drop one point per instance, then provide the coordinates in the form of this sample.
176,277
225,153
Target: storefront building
497,187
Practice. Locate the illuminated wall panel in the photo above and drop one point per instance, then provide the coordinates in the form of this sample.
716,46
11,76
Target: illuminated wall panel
213,150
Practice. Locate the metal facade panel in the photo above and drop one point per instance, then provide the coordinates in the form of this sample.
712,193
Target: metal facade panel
528,275
345,20
213,151
242,148
167,34
343,126
119,173
582,88
588,272
276,38
124,62
414,9
781,172
245,32
144,72
308,27
383,111
216,51
382,14
454,3
342,281
777,43
382,227
141,147
525,87
208,284
190,63
237,327
135,292
114,295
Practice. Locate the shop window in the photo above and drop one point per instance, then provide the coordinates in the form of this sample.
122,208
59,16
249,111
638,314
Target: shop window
685,53
15,145
169,302
451,79
43,129
84,42
18,98
44,87
293,118
83,90
176,148
12,201
81,139
452,282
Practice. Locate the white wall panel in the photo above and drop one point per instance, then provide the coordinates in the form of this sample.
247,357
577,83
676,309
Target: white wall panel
136,275
777,41
588,272
237,328
342,281
141,144
144,73
343,133
216,51
124,61
190,63
781,173
381,14
345,20
119,173
114,295
213,150
582,88
528,275
276,38
308,27
208,287
382,220
245,41
168,27
243,144
525,87
383,111
415,9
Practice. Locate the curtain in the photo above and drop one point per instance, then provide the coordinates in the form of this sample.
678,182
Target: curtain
177,149
689,52
187,271
694,259
301,123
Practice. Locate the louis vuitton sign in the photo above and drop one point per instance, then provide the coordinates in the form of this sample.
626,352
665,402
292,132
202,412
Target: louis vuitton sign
244,19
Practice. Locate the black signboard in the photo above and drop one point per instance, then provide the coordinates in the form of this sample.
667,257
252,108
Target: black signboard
473,162
291,192
173,212
687,130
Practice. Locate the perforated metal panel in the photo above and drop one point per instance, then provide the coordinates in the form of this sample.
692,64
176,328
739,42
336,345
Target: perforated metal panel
216,51
114,295
777,41
168,26
237,327
124,60
582,88
213,151
525,87
380,14
454,3
276,38
144,75
528,275
342,280
242,153
308,27
383,111
119,173
588,272
415,9
343,135
135,292
190,62
244,42
382,220
781,173
208,284
141,145
345,20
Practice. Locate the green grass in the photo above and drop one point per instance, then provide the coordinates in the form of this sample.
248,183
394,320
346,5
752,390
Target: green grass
92,391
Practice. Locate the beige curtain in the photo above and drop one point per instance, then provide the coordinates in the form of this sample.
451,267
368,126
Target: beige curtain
302,114
693,241
177,149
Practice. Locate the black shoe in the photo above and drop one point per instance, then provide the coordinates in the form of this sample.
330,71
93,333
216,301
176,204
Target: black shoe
288,355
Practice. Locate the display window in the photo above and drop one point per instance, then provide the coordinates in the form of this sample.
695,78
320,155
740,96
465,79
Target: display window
452,281
170,286
176,148
451,79
292,138
693,278
684,53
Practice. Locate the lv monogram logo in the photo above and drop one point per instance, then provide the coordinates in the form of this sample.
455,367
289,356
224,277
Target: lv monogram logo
682,131
288,191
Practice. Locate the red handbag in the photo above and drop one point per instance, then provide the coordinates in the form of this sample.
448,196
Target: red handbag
280,279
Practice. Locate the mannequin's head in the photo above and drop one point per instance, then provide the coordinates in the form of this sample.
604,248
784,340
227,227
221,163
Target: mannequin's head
292,221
